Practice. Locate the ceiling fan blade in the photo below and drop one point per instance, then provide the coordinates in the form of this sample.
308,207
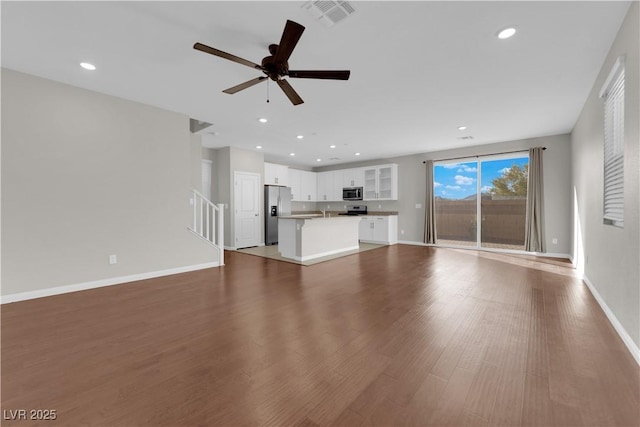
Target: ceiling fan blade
288,90
225,55
290,36
244,85
314,74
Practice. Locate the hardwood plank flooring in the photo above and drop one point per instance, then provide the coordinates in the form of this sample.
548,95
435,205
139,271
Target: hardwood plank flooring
396,336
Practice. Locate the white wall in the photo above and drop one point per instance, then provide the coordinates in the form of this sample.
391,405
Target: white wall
86,175
608,255
227,161
196,162
412,176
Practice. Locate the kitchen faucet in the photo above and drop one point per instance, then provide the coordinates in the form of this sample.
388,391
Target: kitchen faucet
324,213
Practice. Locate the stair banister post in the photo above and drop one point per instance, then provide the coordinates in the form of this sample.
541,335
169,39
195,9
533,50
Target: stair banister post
221,232
194,202
208,235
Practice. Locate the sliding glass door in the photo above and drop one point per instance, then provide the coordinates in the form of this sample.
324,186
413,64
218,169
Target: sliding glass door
456,202
495,219
503,202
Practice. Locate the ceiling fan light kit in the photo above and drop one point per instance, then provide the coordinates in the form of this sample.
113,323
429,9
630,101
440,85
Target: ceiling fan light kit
275,66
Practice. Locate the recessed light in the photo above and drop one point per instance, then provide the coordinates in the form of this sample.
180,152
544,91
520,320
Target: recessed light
87,66
332,146
506,33
259,147
300,136
262,120
357,154
462,128
318,160
292,154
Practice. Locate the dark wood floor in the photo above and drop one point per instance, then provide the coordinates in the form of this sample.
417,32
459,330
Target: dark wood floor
401,335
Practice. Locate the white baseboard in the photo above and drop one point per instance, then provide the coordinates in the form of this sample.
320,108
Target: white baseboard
552,255
40,293
626,338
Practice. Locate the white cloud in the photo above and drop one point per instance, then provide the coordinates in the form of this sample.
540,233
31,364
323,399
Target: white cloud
436,184
453,187
504,170
486,189
466,168
444,193
464,180
450,166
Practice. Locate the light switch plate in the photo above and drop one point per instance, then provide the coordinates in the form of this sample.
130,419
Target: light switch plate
418,205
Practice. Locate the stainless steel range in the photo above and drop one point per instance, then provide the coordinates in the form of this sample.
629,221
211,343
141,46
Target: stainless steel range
354,210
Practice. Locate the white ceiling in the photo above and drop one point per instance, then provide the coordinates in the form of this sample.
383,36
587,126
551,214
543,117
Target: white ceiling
418,69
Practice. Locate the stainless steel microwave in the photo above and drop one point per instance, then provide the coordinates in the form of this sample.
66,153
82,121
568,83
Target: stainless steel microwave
352,193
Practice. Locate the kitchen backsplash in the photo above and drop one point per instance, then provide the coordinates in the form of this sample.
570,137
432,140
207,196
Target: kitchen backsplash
373,206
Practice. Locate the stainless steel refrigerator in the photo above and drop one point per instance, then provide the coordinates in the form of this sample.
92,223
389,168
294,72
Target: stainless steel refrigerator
277,202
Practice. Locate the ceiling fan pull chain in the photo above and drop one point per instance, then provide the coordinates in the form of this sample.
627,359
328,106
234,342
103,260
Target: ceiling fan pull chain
267,90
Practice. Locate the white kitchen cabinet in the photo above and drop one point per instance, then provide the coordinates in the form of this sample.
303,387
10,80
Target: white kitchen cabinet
379,229
324,186
308,186
329,186
303,185
276,174
381,182
336,193
295,182
353,177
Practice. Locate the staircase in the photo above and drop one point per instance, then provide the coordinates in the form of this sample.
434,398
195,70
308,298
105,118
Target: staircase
208,222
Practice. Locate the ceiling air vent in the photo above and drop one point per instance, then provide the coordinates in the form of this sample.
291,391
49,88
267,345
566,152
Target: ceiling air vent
329,12
465,138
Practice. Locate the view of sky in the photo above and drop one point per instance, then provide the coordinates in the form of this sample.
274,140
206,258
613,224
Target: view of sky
460,180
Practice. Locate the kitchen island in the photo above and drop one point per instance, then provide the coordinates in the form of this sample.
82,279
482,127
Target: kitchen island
305,237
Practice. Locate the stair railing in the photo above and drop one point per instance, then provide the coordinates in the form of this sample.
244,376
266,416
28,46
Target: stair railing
208,222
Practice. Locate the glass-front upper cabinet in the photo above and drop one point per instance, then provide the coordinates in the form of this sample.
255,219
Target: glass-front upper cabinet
381,182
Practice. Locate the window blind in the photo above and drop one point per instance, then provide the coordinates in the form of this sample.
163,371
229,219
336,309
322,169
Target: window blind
613,93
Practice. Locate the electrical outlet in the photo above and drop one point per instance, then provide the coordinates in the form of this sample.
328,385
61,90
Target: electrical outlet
554,240
328,206
402,231
379,206
303,206
113,259
191,201
418,205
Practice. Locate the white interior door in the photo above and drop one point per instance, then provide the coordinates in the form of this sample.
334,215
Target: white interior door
247,209
206,179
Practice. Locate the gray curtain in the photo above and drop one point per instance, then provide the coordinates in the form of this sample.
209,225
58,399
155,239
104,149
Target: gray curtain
534,227
430,207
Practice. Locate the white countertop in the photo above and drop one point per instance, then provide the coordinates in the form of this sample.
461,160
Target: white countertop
314,216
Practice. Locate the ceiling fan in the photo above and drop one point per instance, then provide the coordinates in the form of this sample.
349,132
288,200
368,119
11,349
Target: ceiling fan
275,66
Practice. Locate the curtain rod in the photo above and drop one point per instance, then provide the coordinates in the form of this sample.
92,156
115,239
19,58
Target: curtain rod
482,155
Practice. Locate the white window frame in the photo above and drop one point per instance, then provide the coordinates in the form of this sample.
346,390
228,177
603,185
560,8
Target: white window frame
612,93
